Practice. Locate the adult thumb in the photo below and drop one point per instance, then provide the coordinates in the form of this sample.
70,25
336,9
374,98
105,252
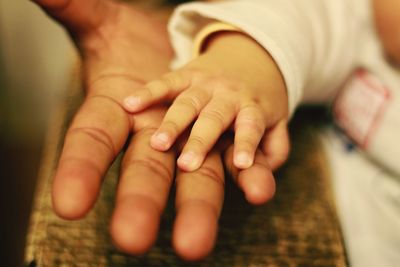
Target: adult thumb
76,15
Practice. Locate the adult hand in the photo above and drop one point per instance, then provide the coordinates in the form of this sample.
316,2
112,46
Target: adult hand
122,48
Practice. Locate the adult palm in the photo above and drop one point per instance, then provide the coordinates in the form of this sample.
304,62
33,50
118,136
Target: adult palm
121,49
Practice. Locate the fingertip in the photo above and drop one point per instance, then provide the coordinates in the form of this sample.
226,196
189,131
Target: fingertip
160,141
189,161
132,103
195,232
134,225
73,195
69,205
258,195
276,161
243,160
258,184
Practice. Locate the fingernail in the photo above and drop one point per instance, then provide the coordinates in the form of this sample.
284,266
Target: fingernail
188,161
160,141
132,102
243,160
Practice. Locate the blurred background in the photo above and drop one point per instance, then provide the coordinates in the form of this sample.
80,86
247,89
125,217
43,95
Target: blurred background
35,59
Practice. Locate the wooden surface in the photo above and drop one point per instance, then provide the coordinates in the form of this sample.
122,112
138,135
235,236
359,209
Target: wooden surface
298,228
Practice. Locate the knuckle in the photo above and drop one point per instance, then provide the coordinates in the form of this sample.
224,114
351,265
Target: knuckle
250,124
197,72
98,135
171,127
223,83
107,98
251,117
201,96
153,166
190,104
151,87
146,131
205,173
104,81
174,80
197,141
214,115
247,142
251,107
209,173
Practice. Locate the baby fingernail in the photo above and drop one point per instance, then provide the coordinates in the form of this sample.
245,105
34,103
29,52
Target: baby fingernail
189,161
160,141
132,102
243,160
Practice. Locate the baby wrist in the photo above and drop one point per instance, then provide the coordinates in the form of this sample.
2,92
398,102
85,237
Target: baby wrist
204,35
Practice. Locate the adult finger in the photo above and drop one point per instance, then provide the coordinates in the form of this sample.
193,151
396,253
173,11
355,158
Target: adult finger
199,200
95,137
78,16
146,177
213,120
257,182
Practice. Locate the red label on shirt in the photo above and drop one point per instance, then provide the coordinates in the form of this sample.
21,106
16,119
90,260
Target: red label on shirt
360,105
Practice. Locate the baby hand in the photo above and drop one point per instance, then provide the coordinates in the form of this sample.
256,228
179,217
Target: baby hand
214,102
217,90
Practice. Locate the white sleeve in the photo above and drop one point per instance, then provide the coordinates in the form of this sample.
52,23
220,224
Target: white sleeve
312,41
